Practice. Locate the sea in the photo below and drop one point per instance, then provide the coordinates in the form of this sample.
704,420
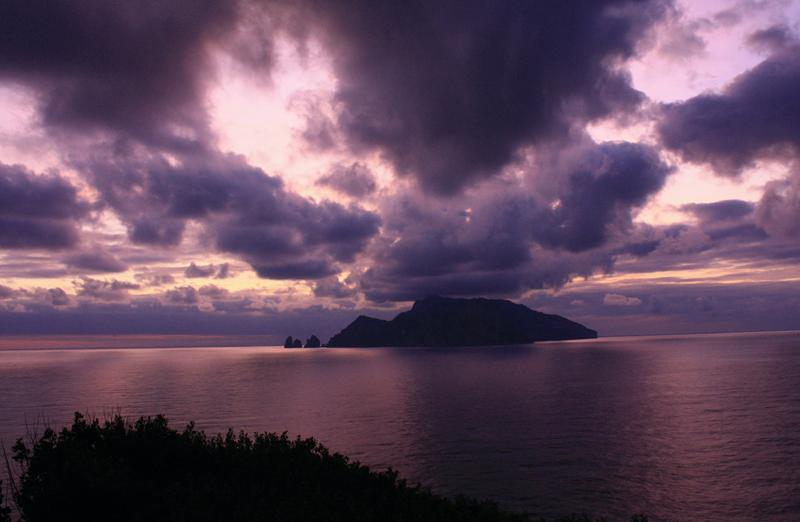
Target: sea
696,427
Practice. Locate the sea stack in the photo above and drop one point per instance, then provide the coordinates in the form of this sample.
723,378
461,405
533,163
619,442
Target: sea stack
292,343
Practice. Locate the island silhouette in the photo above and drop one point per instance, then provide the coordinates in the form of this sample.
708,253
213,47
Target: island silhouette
444,321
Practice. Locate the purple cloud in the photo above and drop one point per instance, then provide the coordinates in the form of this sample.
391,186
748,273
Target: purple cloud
95,261
194,271
755,116
449,91
102,290
38,211
507,239
185,295
354,180
136,70
247,212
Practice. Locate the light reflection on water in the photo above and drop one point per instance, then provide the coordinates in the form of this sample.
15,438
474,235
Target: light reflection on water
691,427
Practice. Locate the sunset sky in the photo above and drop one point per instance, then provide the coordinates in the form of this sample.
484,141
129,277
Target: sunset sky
279,167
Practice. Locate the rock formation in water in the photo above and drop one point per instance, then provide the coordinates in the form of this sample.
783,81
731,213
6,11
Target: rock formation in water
292,343
313,342
442,321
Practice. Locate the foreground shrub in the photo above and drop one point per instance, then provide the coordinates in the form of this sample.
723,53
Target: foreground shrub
5,511
147,471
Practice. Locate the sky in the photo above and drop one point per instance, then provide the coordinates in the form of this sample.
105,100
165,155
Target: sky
279,167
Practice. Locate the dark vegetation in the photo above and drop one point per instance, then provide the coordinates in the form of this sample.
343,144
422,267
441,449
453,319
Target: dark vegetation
5,511
442,321
146,471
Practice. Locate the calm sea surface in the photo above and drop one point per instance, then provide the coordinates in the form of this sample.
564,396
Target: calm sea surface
682,428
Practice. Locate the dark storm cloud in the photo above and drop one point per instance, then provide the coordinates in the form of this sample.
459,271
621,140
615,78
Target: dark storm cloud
246,212
138,68
754,117
297,239
38,211
608,181
546,270
729,209
378,288
354,180
503,240
309,268
139,73
449,91
165,232
742,232
36,233
95,261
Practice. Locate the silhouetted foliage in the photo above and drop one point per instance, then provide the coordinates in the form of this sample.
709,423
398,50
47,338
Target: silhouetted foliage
148,471
5,511
587,518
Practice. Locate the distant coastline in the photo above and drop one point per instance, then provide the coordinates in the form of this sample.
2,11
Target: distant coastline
99,342
154,341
